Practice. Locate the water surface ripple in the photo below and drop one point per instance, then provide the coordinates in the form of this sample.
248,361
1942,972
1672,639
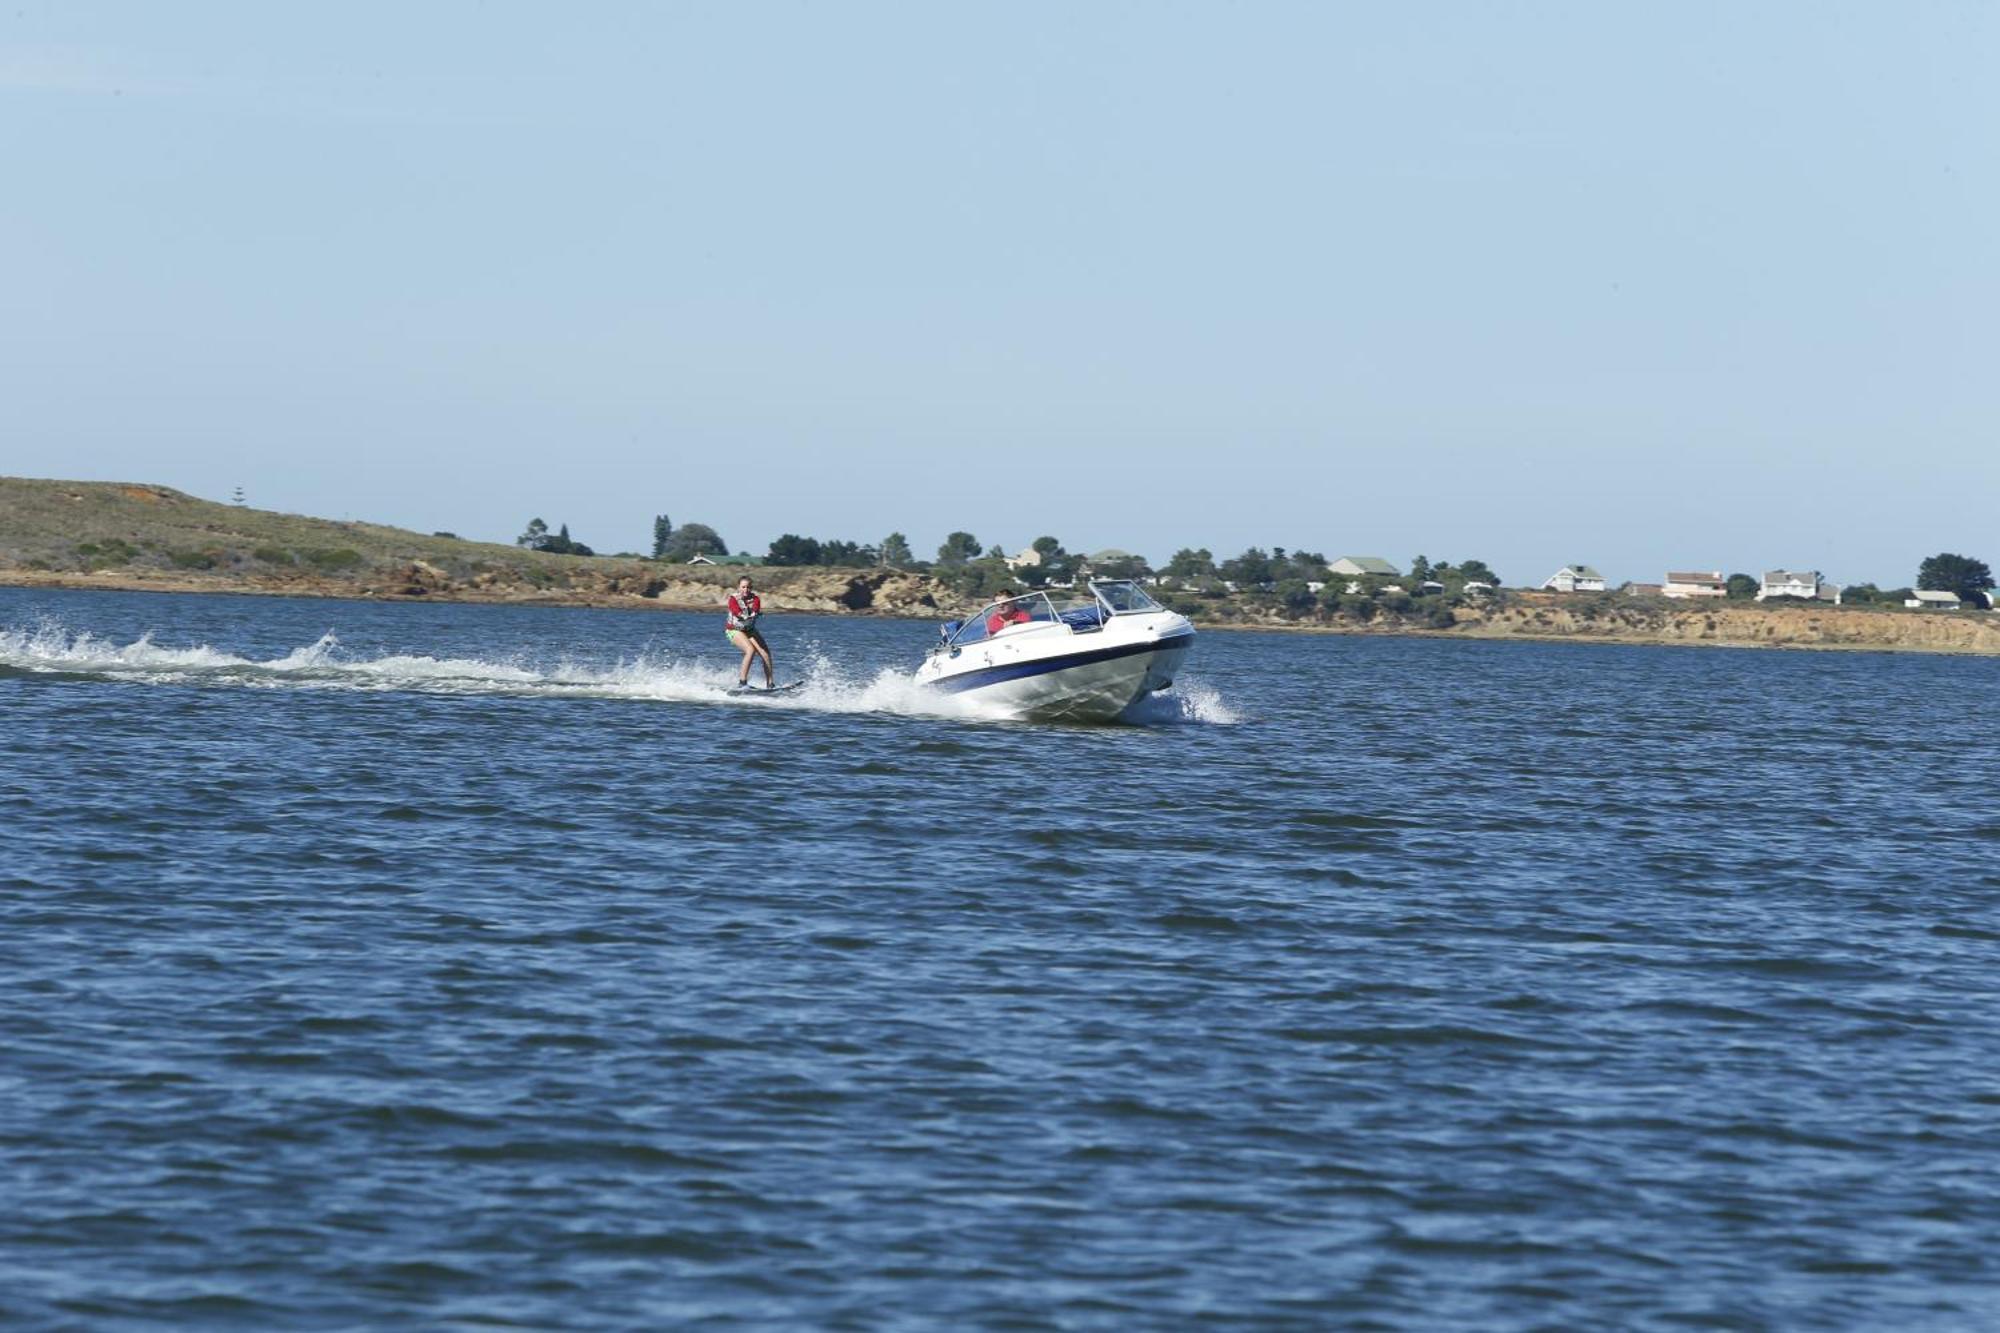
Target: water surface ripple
454,966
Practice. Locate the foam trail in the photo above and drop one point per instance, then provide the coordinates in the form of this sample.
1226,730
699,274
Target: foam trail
829,687
1190,701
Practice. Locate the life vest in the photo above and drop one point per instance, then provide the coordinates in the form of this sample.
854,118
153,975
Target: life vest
743,613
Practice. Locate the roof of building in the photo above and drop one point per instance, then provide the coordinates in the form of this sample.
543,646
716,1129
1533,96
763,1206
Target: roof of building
1365,564
1791,576
1696,576
1934,595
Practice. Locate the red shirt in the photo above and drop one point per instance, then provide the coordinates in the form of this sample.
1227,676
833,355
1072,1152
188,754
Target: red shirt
744,609
1005,616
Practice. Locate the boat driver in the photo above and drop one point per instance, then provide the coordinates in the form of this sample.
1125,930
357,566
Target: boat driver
1006,611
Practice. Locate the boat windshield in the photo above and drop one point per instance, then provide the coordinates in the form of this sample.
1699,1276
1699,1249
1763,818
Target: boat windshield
1122,596
1009,615
1028,611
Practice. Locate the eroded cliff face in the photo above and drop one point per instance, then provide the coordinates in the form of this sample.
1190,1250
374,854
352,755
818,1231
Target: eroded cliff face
636,584
1737,624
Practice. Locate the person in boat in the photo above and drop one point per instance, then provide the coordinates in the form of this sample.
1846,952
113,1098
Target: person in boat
1006,611
745,609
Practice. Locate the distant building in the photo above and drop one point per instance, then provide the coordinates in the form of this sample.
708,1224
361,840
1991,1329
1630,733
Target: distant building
1476,587
1027,558
1109,557
1429,587
1928,599
1574,578
1803,584
1695,584
1355,568
1643,589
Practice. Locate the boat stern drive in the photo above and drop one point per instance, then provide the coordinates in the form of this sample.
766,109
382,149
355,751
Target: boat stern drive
1085,659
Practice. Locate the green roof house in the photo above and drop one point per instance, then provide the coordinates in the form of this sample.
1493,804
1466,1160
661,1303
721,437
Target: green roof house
1359,566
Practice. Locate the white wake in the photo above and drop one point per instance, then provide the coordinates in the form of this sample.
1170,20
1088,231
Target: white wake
828,686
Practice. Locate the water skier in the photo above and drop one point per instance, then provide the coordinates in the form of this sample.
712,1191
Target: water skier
745,606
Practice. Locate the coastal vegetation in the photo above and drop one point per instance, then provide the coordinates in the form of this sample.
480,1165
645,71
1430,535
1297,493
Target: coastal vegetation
139,536
539,538
1961,574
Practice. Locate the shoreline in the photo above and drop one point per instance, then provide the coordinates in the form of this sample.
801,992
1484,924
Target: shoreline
1481,629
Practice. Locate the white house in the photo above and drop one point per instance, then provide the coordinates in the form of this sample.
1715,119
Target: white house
1027,558
1682,583
1476,587
1574,578
1928,599
1803,584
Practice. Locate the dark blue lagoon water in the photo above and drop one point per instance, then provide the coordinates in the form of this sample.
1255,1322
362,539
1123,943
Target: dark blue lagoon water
482,967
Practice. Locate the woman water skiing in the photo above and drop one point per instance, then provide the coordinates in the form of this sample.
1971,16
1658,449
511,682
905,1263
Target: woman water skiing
745,606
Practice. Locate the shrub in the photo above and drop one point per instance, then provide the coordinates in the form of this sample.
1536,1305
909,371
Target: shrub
1296,596
111,551
329,561
192,559
274,555
1441,617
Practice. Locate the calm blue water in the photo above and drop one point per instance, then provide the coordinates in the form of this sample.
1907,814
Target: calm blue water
483,967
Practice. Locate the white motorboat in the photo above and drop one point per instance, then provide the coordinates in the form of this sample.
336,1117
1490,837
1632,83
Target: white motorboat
1082,660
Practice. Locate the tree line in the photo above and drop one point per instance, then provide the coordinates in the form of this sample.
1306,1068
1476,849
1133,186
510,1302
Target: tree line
967,566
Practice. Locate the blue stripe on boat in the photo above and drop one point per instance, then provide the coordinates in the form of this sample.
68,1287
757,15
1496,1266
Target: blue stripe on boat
972,680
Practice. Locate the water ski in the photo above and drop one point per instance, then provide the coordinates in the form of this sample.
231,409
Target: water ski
764,690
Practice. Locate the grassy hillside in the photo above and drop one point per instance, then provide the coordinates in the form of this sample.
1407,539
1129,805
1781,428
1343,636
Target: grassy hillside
134,535
83,526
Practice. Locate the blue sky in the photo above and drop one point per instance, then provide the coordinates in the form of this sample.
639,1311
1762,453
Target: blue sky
1708,285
